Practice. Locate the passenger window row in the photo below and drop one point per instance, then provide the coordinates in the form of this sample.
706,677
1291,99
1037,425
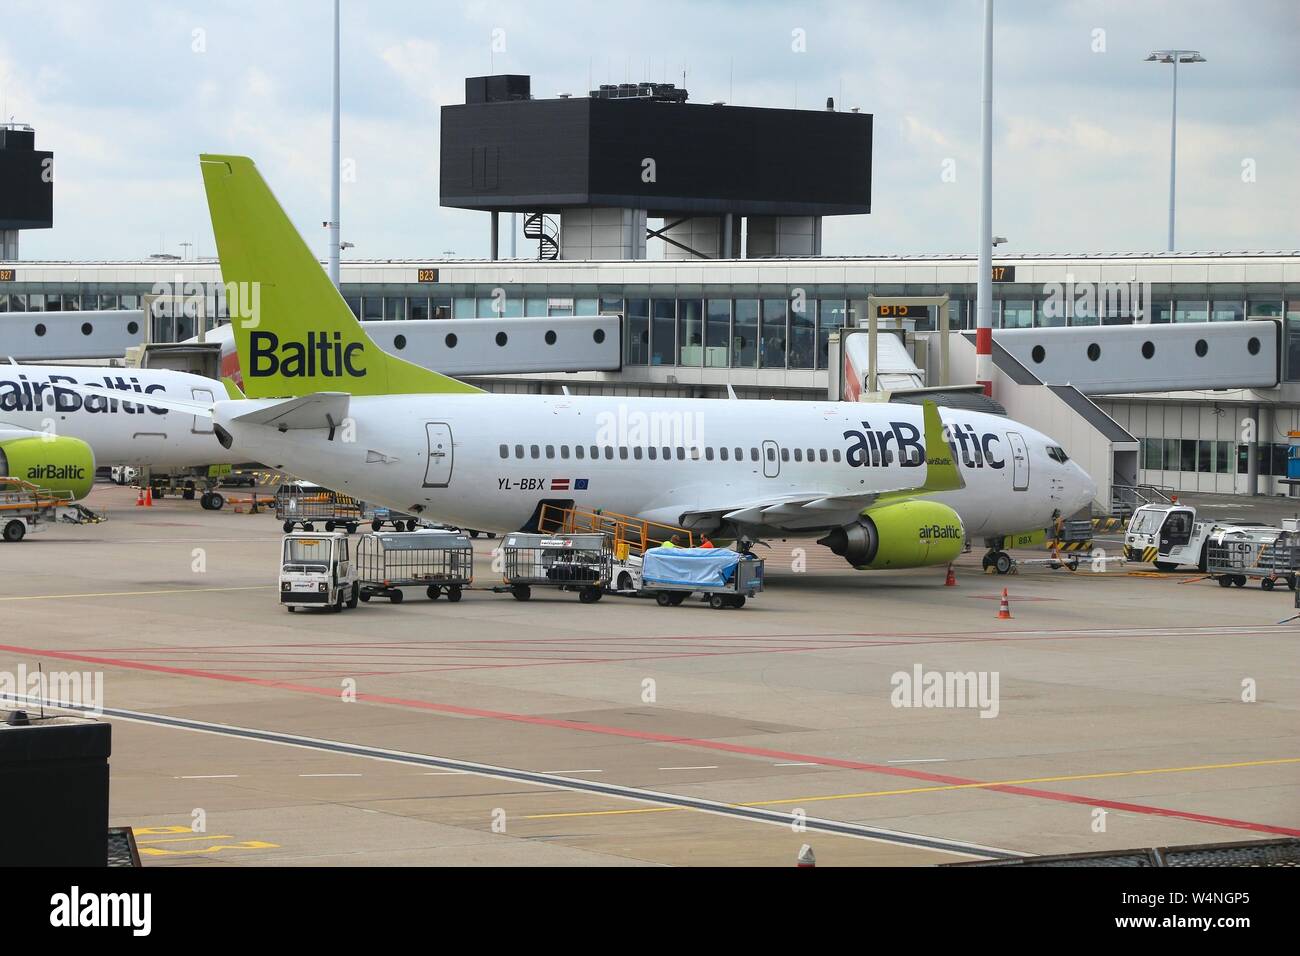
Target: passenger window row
664,453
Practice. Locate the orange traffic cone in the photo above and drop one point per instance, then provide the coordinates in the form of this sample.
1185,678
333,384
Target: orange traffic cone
1004,609
951,580
148,497
139,498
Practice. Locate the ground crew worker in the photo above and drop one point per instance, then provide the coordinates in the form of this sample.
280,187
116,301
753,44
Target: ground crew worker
706,543
674,542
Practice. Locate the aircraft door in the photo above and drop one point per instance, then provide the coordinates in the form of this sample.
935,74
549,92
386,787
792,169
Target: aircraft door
771,459
437,473
201,426
1019,462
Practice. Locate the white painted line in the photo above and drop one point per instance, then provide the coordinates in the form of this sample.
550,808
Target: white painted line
717,808
573,771
329,774
209,776
713,767
921,760
803,763
444,773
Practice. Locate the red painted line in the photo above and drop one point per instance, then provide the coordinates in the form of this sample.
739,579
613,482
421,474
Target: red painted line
717,745
1073,634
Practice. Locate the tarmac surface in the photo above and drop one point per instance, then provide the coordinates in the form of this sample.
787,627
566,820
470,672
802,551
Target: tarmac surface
1119,708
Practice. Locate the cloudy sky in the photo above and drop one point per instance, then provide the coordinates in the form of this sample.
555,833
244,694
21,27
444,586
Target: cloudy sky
127,93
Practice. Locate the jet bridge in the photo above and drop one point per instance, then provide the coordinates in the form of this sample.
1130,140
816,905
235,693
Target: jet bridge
456,347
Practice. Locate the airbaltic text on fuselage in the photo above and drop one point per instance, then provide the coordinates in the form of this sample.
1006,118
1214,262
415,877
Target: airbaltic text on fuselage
32,394
870,447
323,355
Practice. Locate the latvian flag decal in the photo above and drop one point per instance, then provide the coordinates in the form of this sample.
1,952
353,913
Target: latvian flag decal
562,484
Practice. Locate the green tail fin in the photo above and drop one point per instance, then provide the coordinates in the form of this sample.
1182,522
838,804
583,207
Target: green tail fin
294,333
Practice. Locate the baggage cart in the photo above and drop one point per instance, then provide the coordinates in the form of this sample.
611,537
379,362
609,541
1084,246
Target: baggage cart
304,505
1269,554
442,562
569,562
726,578
378,516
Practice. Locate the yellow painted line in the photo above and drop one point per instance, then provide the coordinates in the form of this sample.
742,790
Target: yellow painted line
217,848
943,787
95,594
200,836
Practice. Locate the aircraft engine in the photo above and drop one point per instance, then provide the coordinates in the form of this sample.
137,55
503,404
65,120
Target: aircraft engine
908,534
53,463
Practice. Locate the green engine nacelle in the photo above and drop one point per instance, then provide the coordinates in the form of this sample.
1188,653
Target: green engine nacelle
909,534
56,463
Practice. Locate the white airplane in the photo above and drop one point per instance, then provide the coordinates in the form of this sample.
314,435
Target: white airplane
59,422
884,485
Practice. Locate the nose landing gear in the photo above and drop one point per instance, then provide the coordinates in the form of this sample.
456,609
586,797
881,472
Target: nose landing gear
997,560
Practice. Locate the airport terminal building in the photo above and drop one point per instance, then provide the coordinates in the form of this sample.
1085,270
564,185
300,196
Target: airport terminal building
693,327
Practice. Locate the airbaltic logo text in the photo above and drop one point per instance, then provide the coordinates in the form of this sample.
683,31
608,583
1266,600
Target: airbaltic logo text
34,395
871,447
75,908
936,532
922,688
323,355
56,473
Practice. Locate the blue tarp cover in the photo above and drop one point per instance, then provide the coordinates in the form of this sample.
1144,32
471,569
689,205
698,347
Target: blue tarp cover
711,567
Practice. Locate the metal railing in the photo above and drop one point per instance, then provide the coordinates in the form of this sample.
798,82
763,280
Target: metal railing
1124,499
632,536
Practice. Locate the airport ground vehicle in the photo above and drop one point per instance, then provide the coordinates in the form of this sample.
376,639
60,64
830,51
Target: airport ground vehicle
1235,555
303,504
378,516
317,570
442,562
570,562
630,537
724,576
1168,536
238,479
26,508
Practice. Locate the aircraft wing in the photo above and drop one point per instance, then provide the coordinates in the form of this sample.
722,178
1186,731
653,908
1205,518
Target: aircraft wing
808,511
9,432
318,410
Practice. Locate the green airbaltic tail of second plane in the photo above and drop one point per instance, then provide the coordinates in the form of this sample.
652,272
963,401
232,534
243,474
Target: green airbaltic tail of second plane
294,333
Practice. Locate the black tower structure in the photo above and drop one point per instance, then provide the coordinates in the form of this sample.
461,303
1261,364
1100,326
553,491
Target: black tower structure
602,164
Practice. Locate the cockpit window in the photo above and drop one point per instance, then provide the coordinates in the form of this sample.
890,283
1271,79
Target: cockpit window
1057,453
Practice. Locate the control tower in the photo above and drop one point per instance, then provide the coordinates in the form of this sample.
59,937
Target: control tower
26,186
587,172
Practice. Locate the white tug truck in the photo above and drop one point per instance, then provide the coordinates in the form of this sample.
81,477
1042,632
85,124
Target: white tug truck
317,570
1169,536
